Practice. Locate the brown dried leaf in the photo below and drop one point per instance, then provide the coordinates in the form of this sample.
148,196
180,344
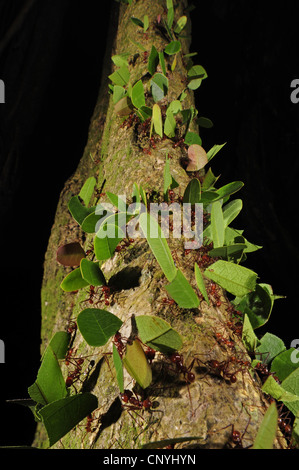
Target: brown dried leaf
197,158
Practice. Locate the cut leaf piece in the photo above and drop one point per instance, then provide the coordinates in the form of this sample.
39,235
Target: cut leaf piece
217,224
104,245
197,158
159,86
192,192
136,363
229,189
214,150
123,107
87,190
285,363
232,277
195,75
200,283
153,233
59,344
93,221
291,383
268,428
232,253
63,415
70,254
121,76
289,399
249,337
192,138
181,23
158,334
97,326
173,47
270,346
49,384
118,369
231,210
257,305
157,120
77,210
153,60
92,273
181,292
73,281
138,98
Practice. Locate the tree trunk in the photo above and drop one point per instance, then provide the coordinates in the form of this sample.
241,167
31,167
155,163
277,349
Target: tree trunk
208,407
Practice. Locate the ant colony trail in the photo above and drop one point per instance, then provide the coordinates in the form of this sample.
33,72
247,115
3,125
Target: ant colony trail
150,341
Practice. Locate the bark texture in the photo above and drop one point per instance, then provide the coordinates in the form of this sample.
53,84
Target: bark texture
208,407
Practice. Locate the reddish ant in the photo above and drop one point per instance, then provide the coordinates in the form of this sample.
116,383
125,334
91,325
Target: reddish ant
124,244
147,151
263,371
284,422
77,372
131,119
221,340
107,293
119,344
221,368
236,437
180,143
91,295
72,327
134,403
178,360
150,354
145,56
213,291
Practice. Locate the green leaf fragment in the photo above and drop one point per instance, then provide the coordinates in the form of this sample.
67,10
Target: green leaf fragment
136,363
214,150
249,338
49,384
285,363
173,47
217,224
63,415
200,283
158,334
78,211
105,244
87,190
138,98
73,281
158,245
270,346
192,192
121,76
267,430
234,278
118,369
153,60
92,273
97,326
181,292
157,120
159,86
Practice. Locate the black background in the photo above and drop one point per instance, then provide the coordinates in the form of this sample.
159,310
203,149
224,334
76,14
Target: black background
52,69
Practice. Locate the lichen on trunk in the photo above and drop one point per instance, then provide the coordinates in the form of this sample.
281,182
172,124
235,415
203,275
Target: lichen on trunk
208,407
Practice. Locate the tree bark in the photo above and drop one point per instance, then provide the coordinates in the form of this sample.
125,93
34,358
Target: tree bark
208,407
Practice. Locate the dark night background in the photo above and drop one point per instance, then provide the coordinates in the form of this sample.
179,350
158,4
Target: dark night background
51,61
